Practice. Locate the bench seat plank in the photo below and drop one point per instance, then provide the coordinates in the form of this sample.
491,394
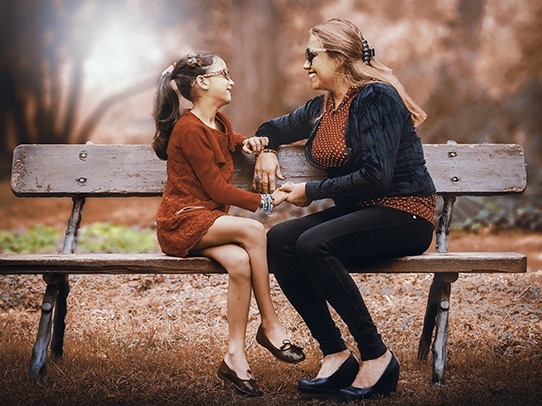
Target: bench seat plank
154,263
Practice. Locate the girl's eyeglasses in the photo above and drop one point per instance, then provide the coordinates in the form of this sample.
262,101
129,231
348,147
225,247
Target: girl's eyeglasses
224,72
311,53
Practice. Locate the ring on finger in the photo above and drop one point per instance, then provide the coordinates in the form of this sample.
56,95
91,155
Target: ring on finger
257,179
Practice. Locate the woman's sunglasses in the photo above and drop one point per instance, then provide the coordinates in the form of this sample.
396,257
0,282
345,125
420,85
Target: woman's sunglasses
311,53
224,72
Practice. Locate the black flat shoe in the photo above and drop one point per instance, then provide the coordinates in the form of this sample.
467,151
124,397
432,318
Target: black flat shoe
382,388
246,386
341,378
288,352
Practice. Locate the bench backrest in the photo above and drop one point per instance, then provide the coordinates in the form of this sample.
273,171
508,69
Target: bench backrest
134,170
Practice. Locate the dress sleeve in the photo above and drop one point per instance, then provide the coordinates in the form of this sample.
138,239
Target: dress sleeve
199,153
238,140
292,127
380,118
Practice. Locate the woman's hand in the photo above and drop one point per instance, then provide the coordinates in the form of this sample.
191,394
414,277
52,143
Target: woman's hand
278,196
266,171
296,193
254,145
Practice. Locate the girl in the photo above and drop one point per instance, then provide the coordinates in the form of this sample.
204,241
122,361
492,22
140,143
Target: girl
192,218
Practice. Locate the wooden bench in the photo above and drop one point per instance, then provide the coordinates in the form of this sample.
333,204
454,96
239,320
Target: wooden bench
83,171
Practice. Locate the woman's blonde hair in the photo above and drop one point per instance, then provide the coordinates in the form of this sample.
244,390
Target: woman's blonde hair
343,40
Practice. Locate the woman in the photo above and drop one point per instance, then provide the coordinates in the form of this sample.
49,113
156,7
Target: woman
192,218
362,132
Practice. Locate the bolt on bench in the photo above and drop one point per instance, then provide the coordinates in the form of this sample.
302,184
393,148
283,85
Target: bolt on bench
88,170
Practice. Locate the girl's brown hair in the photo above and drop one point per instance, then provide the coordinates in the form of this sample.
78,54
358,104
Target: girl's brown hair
343,40
167,103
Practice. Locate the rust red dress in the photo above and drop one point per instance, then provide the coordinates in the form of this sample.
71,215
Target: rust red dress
198,188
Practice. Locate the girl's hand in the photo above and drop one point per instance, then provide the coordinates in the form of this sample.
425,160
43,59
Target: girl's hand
254,145
266,171
296,193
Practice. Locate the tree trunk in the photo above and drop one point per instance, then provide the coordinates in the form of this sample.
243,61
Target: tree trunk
257,90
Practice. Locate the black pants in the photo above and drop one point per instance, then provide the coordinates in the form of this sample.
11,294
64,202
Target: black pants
310,256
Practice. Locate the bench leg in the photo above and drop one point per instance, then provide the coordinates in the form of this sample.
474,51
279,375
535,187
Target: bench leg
441,328
59,325
39,352
429,319
56,294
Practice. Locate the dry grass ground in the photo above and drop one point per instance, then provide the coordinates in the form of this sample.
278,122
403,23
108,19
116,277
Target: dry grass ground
159,339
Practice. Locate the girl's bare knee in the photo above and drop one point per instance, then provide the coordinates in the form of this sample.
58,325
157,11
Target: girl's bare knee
254,232
238,264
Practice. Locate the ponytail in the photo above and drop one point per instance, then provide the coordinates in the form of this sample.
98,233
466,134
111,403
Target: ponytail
166,114
176,81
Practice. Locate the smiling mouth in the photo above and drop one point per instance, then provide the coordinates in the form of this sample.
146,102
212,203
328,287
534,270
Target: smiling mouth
312,74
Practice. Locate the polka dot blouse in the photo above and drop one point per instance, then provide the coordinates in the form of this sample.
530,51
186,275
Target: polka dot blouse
423,207
329,150
328,146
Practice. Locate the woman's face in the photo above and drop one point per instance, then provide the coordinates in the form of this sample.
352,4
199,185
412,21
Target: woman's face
322,69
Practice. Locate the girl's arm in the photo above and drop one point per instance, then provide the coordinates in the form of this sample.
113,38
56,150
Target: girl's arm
199,152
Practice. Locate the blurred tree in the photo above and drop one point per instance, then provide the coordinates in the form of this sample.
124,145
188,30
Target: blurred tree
44,45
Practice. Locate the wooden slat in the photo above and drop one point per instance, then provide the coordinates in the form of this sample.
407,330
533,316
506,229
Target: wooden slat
134,170
477,169
87,170
468,262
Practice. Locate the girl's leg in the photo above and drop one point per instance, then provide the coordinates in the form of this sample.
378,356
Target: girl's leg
250,235
235,260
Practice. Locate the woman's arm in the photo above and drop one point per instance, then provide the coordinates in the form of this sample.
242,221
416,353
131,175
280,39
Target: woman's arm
278,131
291,127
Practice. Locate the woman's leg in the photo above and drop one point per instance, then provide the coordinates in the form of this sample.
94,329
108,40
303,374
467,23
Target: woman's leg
250,235
356,238
296,282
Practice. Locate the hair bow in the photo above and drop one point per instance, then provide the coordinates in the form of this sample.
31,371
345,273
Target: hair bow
193,59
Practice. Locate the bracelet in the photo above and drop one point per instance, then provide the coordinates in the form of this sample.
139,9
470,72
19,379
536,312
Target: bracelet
263,151
267,203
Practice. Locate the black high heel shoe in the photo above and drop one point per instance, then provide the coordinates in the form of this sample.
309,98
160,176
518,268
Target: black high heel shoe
288,352
385,385
341,378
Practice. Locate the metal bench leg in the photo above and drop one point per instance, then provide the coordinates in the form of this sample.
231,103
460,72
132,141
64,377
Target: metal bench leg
441,330
429,319
61,309
56,293
39,352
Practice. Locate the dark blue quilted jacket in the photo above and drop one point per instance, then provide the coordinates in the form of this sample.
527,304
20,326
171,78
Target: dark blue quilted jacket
385,156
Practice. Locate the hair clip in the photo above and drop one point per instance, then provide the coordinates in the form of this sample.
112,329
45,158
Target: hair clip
368,53
193,59
169,70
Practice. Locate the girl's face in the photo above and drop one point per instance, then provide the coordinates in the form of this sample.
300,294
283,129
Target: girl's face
322,69
220,83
